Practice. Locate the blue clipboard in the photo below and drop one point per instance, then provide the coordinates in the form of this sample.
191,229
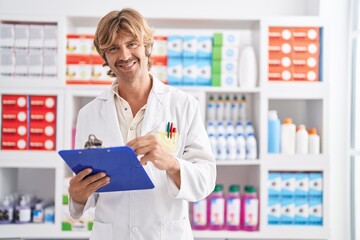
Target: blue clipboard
119,163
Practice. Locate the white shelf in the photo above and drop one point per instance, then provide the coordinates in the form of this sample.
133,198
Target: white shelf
219,89
295,90
29,159
295,162
237,162
31,230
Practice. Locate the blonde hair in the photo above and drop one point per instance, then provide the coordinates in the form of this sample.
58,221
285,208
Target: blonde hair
127,20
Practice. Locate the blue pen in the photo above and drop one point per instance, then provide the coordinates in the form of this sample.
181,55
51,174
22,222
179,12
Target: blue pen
168,129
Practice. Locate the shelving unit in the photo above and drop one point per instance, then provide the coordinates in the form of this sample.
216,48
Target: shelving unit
308,102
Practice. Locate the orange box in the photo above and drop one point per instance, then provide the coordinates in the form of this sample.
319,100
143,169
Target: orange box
280,47
278,73
306,61
306,33
41,143
280,33
14,143
42,102
15,101
309,47
304,73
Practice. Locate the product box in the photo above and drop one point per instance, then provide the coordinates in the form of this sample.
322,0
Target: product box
14,129
43,116
316,185
189,71
189,46
18,116
279,73
36,37
229,38
311,48
224,66
203,72
50,64
306,33
225,52
20,102
41,143
274,184
43,103
159,68
35,64
287,211
274,211
21,64
79,44
7,36
301,185
159,48
205,46
7,63
280,34
78,69
224,80
21,37
174,46
301,211
14,143
303,73
42,130
50,36
315,211
280,47
287,184
174,71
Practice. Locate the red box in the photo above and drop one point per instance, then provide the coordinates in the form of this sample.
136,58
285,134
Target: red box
42,102
14,143
20,102
43,116
14,129
41,129
15,116
41,143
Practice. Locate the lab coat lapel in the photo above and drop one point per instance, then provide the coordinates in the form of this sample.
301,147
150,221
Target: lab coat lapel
109,115
154,108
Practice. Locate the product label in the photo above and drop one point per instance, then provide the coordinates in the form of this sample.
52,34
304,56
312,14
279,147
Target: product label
199,213
251,212
217,211
233,212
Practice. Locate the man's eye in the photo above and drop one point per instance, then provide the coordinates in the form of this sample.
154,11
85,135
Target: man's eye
112,50
133,44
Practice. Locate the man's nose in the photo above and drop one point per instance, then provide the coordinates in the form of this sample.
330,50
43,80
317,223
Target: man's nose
124,53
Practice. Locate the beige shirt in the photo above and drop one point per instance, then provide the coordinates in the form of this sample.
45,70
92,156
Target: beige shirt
130,126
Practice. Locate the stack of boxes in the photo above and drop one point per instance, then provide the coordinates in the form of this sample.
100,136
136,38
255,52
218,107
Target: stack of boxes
225,59
28,122
28,50
294,54
295,198
83,63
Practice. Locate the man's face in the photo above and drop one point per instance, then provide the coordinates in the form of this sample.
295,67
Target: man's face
127,59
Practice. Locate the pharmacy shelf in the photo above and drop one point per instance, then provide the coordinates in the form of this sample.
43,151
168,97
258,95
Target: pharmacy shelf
296,90
31,230
220,89
237,162
29,159
296,162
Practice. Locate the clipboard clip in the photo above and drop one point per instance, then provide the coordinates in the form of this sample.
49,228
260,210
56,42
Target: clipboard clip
93,142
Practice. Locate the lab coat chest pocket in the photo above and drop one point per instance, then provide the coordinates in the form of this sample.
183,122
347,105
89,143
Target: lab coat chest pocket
101,231
177,229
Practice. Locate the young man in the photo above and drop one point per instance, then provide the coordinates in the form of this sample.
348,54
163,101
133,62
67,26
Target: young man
135,112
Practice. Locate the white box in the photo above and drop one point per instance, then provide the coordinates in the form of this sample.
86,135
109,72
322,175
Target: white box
301,211
204,72
35,63
174,71
50,64
50,36
315,184
159,48
21,37
7,36
21,64
36,36
7,64
189,71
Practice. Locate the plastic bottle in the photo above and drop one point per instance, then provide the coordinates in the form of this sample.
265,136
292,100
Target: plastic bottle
288,131
239,128
6,211
229,129
220,129
227,108
243,109
314,141
211,109
233,208
249,128
274,127
220,109
235,109
250,210
200,215
240,146
217,208
230,147
23,211
214,144
210,128
251,147
247,68
221,147
302,140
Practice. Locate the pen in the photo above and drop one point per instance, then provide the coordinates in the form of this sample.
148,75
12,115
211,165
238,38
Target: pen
168,129
171,130
174,132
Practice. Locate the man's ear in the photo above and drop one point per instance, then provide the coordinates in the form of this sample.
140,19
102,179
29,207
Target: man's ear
148,49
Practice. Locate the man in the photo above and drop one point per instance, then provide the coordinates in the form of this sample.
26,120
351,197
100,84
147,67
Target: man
137,111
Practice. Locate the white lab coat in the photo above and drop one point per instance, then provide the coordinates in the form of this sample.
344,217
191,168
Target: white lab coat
160,213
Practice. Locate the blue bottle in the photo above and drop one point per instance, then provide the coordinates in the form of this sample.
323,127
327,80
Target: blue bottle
274,128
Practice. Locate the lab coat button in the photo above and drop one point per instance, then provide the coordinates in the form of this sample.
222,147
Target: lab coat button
135,229
131,128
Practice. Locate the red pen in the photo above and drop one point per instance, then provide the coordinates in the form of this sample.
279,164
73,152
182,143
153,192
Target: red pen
174,131
171,130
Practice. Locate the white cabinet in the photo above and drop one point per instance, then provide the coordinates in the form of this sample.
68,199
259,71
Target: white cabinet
305,102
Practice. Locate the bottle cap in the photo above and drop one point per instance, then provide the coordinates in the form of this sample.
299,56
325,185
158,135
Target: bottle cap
234,188
218,188
312,131
272,114
250,189
301,127
287,121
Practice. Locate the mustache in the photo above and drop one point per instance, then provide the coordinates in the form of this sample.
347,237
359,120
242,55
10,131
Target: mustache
119,62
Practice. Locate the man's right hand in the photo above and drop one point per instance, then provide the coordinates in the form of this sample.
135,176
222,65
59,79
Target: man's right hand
82,185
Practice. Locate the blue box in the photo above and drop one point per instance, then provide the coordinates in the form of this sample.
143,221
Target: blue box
315,185
174,46
175,71
205,46
301,211
204,72
287,211
287,184
189,47
315,212
274,211
301,185
190,71
274,184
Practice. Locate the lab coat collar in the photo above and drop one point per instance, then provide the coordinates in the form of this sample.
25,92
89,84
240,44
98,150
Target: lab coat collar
152,117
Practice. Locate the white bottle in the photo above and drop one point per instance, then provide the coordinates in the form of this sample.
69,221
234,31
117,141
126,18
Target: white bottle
288,131
249,128
314,142
210,128
221,148
240,146
220,129
239,128
242,108
230,147
220,109
214,144
247,68
251,147
235,109
227,107
302,140
211,109
230,128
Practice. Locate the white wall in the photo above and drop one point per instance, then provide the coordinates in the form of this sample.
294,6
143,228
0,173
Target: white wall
335,11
